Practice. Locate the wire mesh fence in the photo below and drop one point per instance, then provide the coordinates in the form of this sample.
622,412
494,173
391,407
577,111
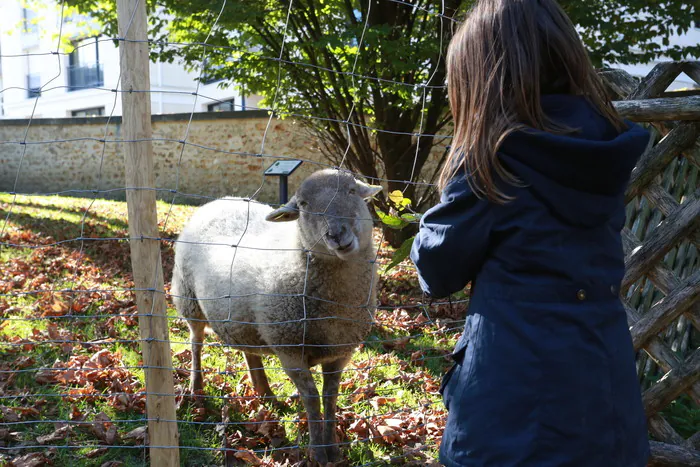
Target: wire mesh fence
80,333
73,373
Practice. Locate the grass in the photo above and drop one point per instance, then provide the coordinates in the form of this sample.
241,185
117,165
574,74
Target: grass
65,302
69,343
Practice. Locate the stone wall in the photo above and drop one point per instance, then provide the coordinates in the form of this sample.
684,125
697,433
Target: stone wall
220,157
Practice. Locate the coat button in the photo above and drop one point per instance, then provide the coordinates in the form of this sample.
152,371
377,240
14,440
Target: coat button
581,294
613,290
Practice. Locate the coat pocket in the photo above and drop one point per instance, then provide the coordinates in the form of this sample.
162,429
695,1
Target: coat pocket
452,376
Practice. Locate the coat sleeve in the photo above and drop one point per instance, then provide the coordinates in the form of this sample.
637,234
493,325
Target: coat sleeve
452,241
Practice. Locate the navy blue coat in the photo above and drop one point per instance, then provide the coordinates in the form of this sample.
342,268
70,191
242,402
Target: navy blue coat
544,372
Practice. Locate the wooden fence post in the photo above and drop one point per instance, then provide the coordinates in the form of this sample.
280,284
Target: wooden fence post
145,252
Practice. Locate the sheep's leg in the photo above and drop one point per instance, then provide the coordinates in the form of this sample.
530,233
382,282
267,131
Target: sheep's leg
298,371
258,377
196,339
188,307
332,372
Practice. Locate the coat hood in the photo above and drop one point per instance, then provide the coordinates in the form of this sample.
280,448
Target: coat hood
580,176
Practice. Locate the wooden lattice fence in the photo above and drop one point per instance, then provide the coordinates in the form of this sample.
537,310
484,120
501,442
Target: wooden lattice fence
661,287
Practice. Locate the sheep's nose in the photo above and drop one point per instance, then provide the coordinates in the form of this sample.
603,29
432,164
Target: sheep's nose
336,234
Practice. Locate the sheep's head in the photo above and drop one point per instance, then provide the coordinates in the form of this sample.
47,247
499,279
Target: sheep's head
332,211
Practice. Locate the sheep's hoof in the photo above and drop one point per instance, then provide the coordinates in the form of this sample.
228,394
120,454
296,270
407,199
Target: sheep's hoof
333,453
318,455
197,384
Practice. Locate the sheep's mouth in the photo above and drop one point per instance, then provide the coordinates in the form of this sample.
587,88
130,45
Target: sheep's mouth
343,250
345,247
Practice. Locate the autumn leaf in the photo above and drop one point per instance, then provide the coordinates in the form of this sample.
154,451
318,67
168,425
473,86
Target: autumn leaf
388,434
57,308
58,435
247,456
94,453
104,429
269,427
34,459
380,401
397,344
8,415
360,427
138,435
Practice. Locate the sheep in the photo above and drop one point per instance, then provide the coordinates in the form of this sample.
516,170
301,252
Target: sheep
303,291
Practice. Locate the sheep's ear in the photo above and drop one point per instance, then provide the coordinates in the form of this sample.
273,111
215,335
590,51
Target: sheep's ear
367,191
285,213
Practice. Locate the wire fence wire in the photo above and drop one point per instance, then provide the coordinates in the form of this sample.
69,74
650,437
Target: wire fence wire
72,386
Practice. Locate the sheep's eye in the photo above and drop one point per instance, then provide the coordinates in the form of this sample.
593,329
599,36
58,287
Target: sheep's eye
353,191
303,204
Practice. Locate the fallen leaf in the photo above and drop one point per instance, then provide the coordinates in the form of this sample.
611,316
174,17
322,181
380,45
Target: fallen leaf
389,435
138,434
397,344
381,401
394,423
104,429
57,435
96,453
360,428
76,414
184,356
26,412
247,456
8,415
45,377
23,362
267,425
33,459
58,308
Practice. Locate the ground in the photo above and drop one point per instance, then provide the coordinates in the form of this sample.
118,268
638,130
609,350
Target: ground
71,387
71,390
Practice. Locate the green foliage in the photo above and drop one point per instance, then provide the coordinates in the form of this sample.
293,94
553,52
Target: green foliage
399,217
684,416
402,48
400,254
633,31
401,214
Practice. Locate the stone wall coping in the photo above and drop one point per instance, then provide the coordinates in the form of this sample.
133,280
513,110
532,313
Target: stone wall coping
117,120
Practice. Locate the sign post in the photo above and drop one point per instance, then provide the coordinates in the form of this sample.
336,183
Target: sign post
283,169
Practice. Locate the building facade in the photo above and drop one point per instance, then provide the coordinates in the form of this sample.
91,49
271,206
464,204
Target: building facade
36,81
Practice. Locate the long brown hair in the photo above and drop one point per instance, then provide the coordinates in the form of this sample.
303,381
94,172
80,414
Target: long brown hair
503,57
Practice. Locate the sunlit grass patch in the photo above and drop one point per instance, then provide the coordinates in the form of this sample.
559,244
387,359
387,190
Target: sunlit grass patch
70,350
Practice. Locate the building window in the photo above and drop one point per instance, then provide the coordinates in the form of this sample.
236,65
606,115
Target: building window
29,21
222,106
92,112
33,85
84,68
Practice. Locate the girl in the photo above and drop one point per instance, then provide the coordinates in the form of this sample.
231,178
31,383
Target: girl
531,212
